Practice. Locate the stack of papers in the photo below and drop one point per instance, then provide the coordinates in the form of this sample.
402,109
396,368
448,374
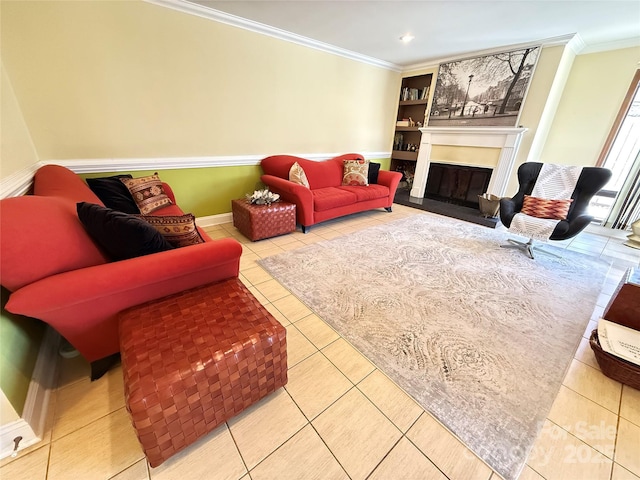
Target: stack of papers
619,340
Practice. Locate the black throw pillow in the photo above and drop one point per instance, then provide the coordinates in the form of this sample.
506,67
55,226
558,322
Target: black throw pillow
113,193
120,235
374,169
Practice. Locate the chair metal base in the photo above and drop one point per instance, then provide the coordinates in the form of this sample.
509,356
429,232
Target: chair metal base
528,248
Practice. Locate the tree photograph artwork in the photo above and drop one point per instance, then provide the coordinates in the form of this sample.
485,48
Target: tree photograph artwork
483,91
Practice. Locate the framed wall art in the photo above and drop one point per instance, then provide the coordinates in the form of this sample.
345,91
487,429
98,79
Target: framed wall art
483,91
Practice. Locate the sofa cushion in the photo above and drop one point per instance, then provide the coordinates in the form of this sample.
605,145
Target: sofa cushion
356,173
297,175
41,237
121,235
332,197
370,193
178,230
113,193
148,193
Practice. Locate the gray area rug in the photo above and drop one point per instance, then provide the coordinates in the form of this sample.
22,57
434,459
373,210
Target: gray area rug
480,336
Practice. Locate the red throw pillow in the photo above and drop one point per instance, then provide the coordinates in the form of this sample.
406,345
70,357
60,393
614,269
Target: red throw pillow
545,208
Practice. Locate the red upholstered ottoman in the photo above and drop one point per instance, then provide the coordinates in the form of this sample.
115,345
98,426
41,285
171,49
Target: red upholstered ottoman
263,221
195,359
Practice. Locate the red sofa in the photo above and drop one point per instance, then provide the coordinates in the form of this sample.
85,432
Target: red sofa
56,273
326,197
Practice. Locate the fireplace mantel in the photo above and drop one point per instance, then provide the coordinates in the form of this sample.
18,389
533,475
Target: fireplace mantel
506,138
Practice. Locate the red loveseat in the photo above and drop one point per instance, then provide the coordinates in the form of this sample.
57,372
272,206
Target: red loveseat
56,273
326,197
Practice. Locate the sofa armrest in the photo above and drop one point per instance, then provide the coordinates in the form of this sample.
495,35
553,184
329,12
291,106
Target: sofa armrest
293,193
82,304
390,180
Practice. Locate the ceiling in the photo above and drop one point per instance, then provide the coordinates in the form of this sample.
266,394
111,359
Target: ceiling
443,29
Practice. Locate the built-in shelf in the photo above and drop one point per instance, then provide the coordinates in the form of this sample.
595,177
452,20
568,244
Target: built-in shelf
404,155
407,129
423,101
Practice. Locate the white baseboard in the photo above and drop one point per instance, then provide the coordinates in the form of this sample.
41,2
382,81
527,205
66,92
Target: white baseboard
212,220
31,427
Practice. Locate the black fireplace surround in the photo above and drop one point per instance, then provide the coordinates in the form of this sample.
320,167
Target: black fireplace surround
457,184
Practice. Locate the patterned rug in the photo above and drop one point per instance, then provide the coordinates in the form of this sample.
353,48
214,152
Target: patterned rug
480,336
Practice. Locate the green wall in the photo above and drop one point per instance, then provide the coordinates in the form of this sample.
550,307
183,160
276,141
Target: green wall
20,339
209,191
203,191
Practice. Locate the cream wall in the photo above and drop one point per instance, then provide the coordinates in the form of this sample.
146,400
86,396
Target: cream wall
16,148
132,79
594,92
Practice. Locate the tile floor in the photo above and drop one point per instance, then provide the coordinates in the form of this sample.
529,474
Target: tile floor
339,417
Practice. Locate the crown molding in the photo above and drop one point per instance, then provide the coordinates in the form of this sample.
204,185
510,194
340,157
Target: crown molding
190,8
615,45
547,42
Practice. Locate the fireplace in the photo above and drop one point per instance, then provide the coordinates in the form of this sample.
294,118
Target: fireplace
507,139
457,184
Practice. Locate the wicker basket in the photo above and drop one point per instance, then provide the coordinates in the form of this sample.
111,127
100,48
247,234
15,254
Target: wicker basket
615,367
489,205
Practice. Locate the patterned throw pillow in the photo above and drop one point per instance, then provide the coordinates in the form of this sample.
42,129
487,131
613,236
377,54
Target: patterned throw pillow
179,231
147,192
356,173
544,208
297,175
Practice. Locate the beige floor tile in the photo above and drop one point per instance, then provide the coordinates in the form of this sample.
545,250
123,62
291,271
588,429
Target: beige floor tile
270,252
27,466
292,308
317,331
620,473
446,451
137,471
277,314
272,290
628,446
248,260
292,246
212,456
265,426
593,384
558,455
588,421
349,361
261,245
401,409
315,383
527,474
298,347
82,402
283,240
356,433
630,404
261,298
100,450
406,461
305,456
256,275
586,355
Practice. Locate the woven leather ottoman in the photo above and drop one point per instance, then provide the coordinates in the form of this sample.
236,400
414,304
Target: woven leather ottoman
263,221
195,359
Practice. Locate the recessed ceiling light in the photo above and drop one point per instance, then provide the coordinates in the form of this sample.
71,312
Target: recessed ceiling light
407,38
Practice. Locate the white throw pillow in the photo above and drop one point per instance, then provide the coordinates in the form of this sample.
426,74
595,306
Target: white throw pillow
297,175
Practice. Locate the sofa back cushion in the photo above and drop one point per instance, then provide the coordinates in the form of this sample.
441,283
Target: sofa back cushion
321,174
42,236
